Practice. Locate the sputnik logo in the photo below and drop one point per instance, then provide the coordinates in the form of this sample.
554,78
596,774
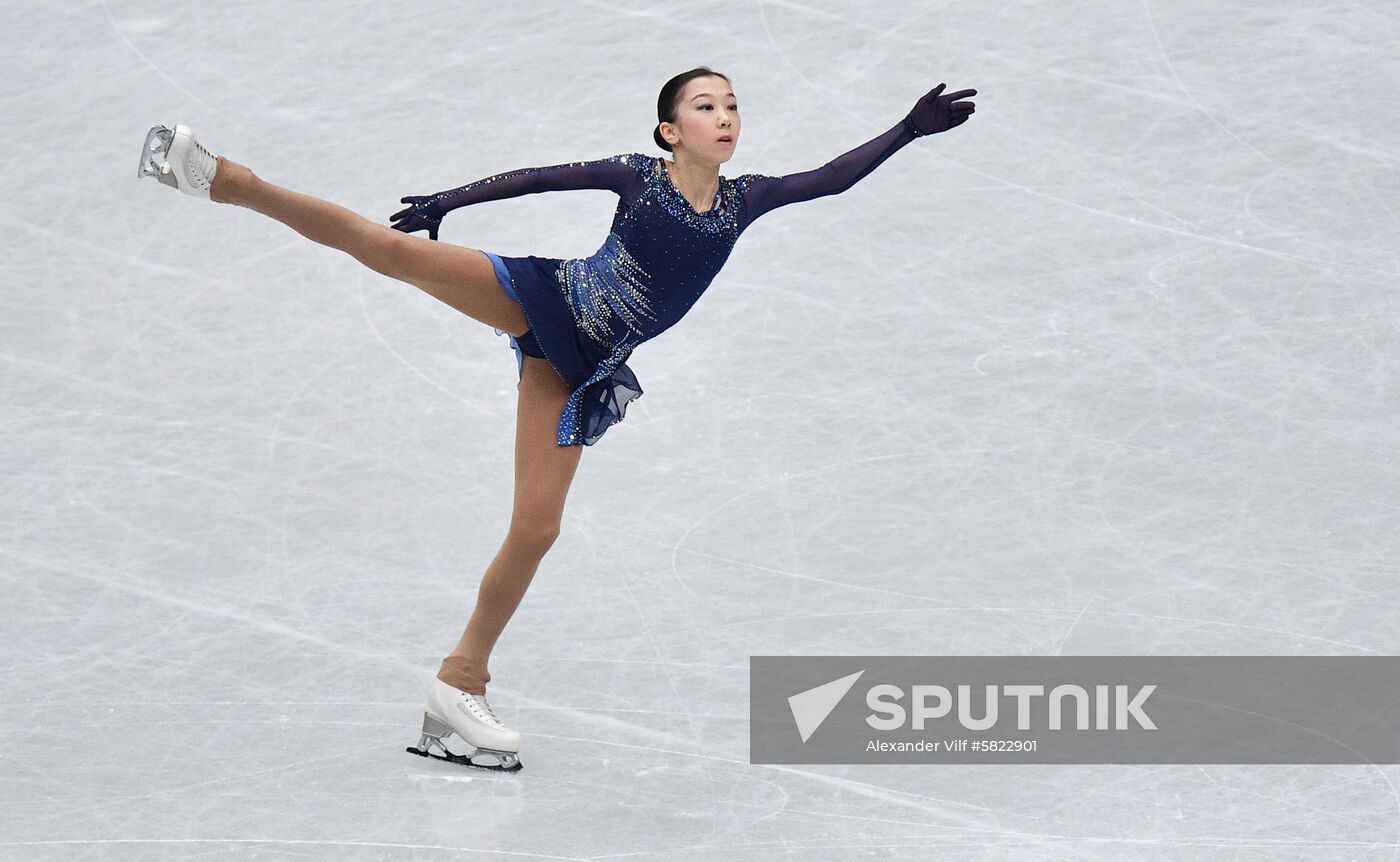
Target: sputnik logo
811,707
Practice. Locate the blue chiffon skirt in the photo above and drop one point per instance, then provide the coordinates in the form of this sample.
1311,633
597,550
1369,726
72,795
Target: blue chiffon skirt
525,345
601,384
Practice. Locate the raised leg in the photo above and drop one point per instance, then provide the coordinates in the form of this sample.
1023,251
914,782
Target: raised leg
460,277
543,472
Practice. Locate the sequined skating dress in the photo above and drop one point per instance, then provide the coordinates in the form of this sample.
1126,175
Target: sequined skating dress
587,315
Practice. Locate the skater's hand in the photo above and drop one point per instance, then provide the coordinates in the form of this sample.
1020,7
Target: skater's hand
423,213
936,113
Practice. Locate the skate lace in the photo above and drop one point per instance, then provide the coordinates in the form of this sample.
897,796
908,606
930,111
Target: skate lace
480,701
207,163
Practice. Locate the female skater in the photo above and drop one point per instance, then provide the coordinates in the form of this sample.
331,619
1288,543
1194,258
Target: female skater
572,323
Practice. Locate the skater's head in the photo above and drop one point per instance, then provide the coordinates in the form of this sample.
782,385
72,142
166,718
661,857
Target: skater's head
696,109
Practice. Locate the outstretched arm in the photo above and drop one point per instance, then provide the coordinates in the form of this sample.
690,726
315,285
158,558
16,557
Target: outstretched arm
767,193
617,174
933,113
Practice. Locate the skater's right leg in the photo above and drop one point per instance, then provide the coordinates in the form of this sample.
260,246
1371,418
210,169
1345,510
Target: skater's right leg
543,472
460,277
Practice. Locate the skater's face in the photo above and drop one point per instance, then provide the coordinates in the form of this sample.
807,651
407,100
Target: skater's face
708,112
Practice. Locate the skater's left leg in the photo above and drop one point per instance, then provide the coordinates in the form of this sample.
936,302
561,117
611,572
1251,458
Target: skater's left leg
543,472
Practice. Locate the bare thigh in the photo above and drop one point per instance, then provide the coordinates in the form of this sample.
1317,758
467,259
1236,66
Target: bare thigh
543,469
459,276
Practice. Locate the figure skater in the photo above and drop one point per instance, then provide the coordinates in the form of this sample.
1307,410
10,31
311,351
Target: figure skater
571,323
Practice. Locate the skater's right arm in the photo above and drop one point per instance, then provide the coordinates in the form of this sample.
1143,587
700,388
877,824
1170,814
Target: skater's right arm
617,174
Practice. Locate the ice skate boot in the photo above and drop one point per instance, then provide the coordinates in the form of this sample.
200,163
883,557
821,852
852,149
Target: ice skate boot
451,710
177,159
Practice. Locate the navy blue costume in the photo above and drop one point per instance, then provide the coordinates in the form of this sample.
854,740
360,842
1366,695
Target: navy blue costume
587,315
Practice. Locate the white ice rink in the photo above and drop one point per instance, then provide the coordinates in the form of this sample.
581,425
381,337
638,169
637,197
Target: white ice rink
1110,369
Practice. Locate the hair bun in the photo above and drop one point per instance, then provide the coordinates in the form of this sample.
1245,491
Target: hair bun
660,141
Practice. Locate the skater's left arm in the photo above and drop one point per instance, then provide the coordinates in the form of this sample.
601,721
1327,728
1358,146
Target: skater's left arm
933,113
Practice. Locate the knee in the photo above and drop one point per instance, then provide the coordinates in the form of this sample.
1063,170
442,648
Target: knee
534,536
389,252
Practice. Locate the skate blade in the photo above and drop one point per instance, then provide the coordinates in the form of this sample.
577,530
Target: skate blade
466,760
153,156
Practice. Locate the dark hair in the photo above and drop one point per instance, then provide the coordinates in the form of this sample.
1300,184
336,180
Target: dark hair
670,98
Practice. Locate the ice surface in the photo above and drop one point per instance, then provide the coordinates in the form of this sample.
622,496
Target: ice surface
1109,369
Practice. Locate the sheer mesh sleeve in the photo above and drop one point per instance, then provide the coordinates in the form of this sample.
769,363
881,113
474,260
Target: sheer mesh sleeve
764,193
617,174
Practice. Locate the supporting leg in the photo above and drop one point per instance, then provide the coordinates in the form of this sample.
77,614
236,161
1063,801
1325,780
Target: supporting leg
543,472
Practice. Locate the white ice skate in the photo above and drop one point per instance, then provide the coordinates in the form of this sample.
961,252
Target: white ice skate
177,159
451,710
